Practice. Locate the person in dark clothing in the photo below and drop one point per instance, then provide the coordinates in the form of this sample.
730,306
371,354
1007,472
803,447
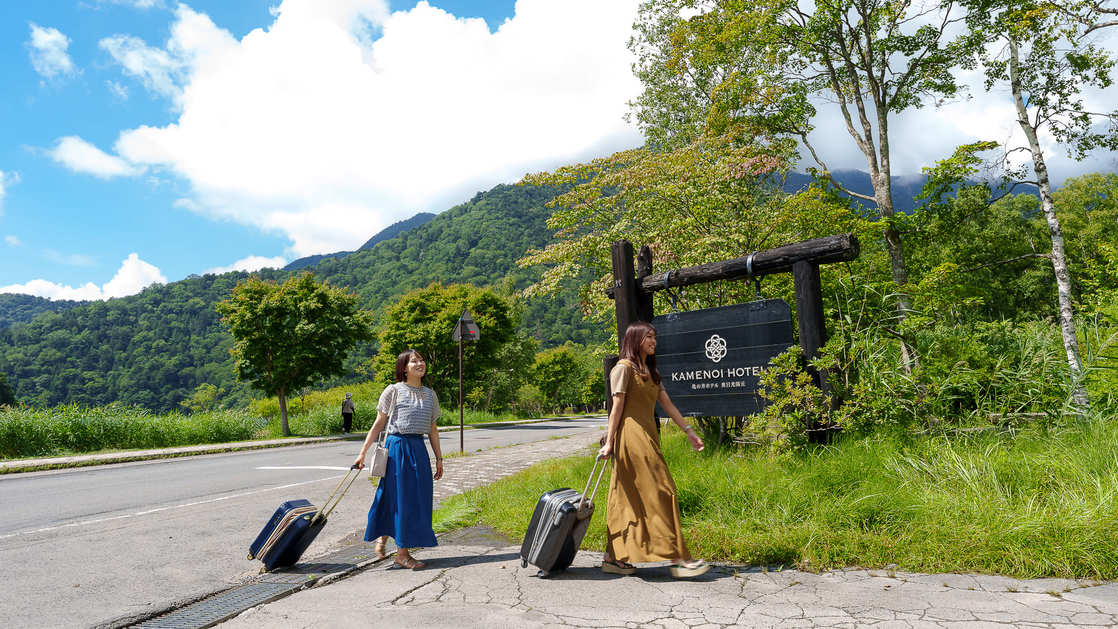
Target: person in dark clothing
347,413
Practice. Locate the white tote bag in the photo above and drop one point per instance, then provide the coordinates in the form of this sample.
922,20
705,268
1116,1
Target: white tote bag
379,463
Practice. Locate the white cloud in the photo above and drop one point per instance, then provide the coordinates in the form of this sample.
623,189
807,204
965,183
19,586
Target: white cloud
251,263
140,4
133,276
48,52
13,241
81,156
309,128
921,137
119,92
155,67
5,180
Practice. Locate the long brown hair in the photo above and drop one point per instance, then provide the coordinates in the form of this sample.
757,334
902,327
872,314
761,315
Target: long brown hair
402,364
631,347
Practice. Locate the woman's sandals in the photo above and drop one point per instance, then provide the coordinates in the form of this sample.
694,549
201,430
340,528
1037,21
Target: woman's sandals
378,548
689,569
411,563
612,566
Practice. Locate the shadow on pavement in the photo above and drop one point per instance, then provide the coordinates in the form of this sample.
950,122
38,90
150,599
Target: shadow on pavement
654,574
467,560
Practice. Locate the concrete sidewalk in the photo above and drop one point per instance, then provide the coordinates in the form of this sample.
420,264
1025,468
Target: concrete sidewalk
475,579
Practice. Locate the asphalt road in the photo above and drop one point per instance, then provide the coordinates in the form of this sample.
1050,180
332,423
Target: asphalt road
82,546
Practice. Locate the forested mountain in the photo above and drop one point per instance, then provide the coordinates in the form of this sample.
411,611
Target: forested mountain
150,349
153,349
23,308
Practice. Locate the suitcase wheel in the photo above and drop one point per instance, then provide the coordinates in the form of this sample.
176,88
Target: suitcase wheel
523,563
543,574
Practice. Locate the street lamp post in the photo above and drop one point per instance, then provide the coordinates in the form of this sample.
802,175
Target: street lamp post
465,330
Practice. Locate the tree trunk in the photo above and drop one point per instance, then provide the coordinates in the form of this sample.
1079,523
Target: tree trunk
882,178
281,395
1079,397
883,196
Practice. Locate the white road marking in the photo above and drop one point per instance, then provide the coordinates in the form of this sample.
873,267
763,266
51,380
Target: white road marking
168,508
303,467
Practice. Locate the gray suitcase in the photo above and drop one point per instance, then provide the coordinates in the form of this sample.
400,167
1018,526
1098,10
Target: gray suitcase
558,525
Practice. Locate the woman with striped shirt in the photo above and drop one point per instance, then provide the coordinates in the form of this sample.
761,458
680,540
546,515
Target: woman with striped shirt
403,502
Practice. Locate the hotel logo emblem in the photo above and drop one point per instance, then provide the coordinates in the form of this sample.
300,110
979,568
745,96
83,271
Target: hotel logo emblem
716,348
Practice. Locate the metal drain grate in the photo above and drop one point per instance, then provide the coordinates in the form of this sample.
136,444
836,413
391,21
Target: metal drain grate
215,609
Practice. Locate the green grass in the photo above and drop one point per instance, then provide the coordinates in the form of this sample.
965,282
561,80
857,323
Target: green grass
28,432
1043,503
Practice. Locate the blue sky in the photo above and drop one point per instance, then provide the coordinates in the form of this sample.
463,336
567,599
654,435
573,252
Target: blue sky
146,140
83,217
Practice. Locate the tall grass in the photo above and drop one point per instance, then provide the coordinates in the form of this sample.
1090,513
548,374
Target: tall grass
1043,502
29,432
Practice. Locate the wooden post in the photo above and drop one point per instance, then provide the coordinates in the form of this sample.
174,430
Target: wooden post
624,287
608,363
809,308
813,333
644,298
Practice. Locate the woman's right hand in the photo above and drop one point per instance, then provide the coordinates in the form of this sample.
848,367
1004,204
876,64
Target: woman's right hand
359,462
605,450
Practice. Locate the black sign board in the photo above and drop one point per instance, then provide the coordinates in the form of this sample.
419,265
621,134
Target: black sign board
711,360
465,329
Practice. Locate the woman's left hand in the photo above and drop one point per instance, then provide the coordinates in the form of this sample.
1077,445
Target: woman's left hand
438,469
696,441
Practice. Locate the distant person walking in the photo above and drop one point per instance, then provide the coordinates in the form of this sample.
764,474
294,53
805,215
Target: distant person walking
405,496
642,514
347,413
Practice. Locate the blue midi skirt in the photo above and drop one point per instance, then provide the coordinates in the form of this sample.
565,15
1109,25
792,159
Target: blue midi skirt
402,505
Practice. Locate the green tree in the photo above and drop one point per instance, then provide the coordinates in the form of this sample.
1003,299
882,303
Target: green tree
204,398
1087,207
424,319
680,203
288,335
513,369
1041,52
558,373
979,253
770,60
7,397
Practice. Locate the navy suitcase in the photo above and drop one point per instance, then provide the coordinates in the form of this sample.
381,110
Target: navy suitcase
558,525
292,528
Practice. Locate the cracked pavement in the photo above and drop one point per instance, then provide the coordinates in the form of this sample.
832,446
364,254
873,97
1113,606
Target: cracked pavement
474,579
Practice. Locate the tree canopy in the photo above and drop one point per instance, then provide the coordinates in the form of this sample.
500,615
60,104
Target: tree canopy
423,320
288,335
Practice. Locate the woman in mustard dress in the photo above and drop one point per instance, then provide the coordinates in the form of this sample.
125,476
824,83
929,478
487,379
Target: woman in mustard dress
642,514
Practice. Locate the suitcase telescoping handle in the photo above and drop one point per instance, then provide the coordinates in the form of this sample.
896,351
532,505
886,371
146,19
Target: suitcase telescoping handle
327,506
600,473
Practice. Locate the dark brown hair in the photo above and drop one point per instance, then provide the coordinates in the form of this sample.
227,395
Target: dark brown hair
402,364
631,347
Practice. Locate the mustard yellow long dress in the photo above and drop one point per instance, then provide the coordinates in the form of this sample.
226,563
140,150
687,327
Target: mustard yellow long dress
642,514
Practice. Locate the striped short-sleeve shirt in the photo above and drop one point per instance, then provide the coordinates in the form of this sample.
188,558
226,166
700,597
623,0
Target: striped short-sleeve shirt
416,408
